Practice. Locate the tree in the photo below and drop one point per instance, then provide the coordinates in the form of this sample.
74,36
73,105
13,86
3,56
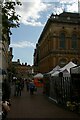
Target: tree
9,18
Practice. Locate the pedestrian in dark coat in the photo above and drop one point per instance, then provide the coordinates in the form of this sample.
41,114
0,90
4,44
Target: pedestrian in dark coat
18,87
27,84
31,87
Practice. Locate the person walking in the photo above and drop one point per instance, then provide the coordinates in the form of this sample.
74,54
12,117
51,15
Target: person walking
31,87
27,84
22,83
18,87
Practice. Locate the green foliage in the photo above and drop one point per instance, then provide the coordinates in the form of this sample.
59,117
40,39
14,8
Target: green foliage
9,18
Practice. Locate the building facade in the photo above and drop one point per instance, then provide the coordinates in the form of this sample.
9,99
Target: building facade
59,42
21,70
5,53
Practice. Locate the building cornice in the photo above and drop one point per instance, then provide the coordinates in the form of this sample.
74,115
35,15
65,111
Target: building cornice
63,18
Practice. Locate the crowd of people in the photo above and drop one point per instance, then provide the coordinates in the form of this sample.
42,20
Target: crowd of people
30,86
19,84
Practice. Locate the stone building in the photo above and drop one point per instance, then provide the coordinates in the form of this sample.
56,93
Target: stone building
5,56
21,70
5,51
59,42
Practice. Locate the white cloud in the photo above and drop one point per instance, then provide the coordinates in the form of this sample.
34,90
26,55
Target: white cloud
70,5
30,11
23,44
73,8
34,23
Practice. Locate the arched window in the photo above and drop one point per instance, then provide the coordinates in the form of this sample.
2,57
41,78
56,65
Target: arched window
74,41
62,40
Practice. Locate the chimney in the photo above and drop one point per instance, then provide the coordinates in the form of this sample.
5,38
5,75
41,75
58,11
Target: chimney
25,64
18,60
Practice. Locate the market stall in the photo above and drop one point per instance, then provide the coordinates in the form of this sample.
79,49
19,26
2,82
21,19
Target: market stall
75,82
60,84
38,80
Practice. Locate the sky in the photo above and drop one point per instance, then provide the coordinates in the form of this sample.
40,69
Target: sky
34,15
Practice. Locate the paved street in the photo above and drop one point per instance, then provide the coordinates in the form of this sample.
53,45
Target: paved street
36,106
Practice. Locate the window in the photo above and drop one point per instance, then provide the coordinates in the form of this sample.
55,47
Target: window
62,40
74,41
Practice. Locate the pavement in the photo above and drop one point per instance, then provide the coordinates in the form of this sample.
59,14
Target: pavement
36,106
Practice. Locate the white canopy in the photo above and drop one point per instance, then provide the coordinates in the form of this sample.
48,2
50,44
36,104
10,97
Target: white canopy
65,69
68,66
75,69
54,69
39,75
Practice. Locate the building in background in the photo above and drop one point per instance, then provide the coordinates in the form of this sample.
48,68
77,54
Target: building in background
59,42
21,70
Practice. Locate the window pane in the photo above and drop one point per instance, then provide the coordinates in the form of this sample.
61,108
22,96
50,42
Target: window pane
74,41
62,40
